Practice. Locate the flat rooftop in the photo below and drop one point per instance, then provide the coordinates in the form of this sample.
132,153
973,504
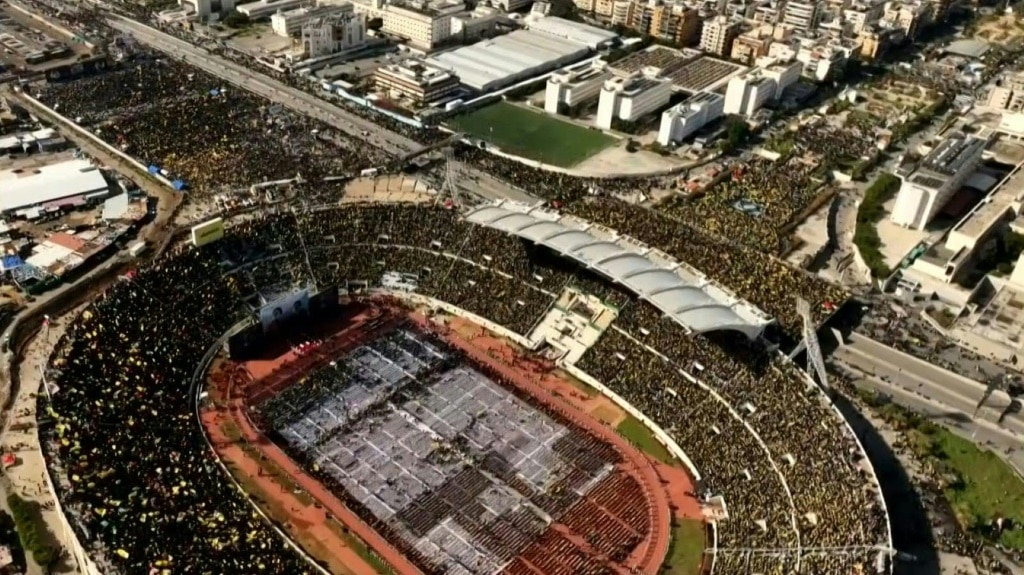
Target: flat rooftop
952,154
20,188
994,206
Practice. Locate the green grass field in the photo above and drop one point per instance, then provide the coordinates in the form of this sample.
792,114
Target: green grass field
685,553
981,486
988,486
637,433
530,134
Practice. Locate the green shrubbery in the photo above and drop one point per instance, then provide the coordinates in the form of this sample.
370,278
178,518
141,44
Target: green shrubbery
35,538
870,212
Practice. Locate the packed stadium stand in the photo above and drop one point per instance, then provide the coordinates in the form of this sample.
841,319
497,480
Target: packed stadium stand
795,490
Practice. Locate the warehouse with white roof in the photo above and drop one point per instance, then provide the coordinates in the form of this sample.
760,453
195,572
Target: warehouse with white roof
499,62
590,36
31,191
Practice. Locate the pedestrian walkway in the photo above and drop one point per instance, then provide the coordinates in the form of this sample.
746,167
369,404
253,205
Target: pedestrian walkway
27,476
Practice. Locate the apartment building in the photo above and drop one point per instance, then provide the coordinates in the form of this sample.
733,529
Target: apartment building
752,44
860,15
912,18
629,99
718,35
802,16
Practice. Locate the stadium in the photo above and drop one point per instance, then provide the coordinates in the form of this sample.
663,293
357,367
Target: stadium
330,337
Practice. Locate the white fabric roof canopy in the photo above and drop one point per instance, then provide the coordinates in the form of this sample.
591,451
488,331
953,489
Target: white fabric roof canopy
683,294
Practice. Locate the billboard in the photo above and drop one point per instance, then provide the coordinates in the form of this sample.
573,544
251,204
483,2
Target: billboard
208,232
284,308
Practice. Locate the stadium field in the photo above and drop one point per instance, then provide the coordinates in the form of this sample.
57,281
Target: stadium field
530,134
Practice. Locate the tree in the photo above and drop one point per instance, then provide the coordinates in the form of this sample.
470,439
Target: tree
737,131
235,19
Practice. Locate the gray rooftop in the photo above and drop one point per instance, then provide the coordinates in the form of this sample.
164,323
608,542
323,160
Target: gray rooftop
675,288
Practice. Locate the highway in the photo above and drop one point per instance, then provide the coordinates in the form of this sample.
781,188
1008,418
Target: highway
267,87
943,396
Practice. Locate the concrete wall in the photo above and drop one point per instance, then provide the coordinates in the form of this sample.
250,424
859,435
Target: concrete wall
46,110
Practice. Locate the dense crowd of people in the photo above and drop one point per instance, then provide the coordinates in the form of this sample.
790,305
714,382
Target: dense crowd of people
210,136
127,447
753,204
132,464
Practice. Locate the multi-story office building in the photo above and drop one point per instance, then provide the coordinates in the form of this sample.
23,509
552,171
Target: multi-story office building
748,93
933,182
628,99
1008,93
573,87
331,35
718,35
682,120
416,80
424,25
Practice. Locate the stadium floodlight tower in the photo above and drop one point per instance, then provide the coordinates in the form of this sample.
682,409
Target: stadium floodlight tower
815,360
449,177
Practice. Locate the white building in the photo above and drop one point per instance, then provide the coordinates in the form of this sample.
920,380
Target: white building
423,24
72,182
493,64
267,8
940,174
289,23
207,8
631,98
574,86
785,75
326,36
821,61
748,93
590,36
679,121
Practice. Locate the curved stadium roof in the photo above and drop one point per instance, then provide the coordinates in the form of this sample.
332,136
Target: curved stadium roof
676,289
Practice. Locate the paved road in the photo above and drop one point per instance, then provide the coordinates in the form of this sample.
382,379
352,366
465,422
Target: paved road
945,397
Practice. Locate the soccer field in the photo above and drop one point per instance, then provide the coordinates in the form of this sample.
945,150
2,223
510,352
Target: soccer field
534,135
